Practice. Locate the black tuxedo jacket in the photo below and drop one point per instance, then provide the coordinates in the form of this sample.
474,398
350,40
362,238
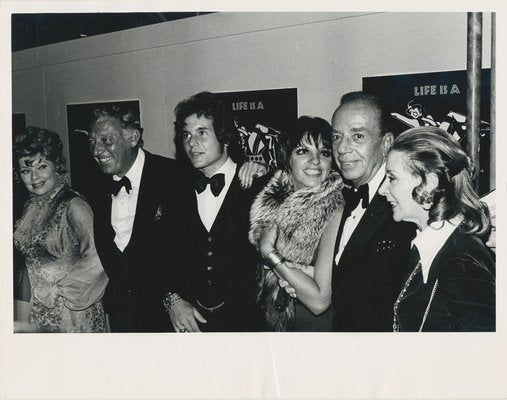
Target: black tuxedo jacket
464,298
374,263
135,292
218,265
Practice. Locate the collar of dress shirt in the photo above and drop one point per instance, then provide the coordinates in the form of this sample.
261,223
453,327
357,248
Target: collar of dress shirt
228,169
430,241
374,184
135,171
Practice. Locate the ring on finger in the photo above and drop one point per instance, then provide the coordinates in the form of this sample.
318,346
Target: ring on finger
182,330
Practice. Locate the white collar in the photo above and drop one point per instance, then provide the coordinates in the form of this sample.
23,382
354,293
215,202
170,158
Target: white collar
228,169
375,182
135,171
430,240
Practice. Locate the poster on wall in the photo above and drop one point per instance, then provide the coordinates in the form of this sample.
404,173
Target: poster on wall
436,99
18,123
259,117
86,175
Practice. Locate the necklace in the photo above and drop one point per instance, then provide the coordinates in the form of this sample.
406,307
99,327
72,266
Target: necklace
396,322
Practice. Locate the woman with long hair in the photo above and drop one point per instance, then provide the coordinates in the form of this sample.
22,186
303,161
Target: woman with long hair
451,284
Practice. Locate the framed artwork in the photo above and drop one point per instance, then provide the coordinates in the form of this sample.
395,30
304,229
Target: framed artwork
436,99
259,118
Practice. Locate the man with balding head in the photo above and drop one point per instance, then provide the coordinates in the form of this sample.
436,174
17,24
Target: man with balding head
371,250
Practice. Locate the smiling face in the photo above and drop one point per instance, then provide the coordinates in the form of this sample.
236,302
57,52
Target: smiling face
310,163
38,174
359,148
114,148
398,188
201,145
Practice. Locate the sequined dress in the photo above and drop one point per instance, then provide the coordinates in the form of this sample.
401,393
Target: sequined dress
55,235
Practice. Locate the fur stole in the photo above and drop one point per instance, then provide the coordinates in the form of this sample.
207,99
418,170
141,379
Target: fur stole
301,217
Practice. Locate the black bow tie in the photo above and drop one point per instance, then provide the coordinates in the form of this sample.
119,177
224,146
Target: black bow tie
353,196
117,185
216,183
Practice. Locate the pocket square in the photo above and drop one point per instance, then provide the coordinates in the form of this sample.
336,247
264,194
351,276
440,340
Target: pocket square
383,245
158,214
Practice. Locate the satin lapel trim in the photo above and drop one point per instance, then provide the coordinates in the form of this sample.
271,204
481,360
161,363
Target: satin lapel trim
108,201
142,206
374,216
228,204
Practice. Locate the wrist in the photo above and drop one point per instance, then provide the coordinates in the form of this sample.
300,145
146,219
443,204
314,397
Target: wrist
273,258
170,300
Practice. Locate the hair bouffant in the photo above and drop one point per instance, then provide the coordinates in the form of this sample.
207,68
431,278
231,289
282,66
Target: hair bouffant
432,150
304,127
40,141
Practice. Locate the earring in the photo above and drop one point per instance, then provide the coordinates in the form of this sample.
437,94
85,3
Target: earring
427,199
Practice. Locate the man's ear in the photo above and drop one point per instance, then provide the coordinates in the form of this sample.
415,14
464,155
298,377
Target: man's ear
135,136
387,142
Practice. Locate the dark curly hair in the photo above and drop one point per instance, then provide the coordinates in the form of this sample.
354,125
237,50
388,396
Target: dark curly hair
41,141
208,105
433,150
125,116
304,127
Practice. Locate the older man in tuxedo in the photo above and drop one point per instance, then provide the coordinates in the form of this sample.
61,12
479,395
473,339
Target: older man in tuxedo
214,286
131,222
372,250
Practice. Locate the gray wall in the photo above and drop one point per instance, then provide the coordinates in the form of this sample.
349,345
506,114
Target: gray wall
323,55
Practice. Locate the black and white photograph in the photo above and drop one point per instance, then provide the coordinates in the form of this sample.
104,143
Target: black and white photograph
232,202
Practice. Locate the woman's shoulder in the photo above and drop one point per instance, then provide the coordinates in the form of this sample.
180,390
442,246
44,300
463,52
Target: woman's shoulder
77,206
465,255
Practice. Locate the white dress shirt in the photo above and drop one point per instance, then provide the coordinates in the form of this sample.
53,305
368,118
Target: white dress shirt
123,206
355,216
209,205
430,241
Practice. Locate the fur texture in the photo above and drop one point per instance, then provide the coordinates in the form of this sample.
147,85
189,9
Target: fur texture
301,217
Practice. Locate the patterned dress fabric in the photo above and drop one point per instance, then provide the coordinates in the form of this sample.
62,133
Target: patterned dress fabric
55,235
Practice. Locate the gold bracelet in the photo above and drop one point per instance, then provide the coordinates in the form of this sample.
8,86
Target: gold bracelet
273,259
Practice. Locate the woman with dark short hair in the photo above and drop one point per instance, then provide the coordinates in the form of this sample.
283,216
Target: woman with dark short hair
55,236
288,220
451,284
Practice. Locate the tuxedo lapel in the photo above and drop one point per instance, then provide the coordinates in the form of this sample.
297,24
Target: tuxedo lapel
229,204
145,204
373,218
106,209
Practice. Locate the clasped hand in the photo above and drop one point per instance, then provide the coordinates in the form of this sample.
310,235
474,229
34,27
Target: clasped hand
184,317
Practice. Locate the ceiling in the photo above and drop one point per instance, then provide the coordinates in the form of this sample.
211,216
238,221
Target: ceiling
33,30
